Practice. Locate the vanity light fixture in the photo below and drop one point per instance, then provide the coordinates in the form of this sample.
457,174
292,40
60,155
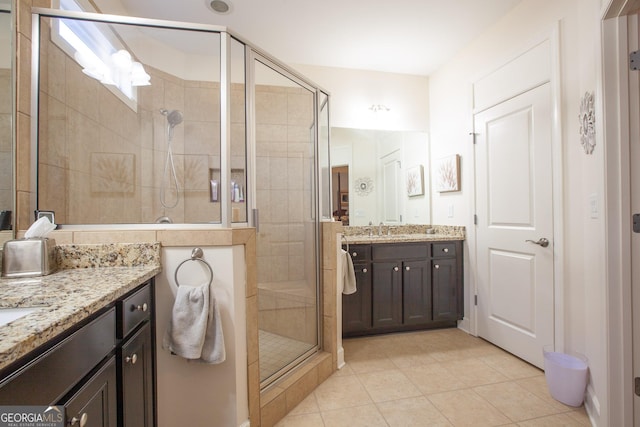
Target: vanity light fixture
379,107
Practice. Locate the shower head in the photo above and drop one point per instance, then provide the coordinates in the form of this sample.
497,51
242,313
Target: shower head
174,117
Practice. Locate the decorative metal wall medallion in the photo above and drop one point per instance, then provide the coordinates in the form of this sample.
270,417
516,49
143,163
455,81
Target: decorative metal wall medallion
364,186
587,120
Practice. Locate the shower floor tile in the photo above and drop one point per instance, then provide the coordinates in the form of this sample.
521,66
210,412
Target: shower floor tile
277,351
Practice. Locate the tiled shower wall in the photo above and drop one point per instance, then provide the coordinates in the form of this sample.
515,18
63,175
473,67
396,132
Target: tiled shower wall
6,152
285,251
103,162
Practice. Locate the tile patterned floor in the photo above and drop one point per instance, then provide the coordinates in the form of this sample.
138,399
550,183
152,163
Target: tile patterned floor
276,351
432,378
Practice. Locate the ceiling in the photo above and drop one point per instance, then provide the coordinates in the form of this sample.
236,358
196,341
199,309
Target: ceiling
401,36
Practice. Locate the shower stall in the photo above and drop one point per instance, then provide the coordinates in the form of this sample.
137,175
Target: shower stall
142,122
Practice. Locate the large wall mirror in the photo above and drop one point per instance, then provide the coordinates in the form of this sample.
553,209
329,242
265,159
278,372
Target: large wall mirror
380,176
7,193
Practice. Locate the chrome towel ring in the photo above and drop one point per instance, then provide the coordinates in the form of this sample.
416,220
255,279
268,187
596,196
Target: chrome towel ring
345,241
196,255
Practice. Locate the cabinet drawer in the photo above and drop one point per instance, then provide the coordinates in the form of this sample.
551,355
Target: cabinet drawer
441,250
133,310
51,375
359,252
400,251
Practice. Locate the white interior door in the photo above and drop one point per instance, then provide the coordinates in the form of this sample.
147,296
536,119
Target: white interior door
634,151
514,206
390,167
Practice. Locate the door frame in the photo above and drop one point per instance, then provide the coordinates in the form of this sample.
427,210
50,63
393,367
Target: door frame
615,109
554,78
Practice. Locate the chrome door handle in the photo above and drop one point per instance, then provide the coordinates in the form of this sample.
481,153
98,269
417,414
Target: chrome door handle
131,359
544,242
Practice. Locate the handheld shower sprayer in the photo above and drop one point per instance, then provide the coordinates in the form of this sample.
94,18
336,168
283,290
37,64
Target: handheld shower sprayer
174,118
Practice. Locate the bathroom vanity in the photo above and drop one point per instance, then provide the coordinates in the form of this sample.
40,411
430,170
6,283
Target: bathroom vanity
404,283
87,344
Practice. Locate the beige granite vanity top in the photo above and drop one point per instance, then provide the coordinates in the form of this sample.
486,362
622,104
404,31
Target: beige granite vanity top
402,233
91,277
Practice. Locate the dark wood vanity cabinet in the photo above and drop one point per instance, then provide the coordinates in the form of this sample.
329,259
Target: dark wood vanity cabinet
136,359
96,402
102,371
404,286
356,308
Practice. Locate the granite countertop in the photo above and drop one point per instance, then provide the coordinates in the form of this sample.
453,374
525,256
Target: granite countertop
400,238
402,233
91,277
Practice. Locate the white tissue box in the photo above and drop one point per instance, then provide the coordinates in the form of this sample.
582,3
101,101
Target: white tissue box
29,257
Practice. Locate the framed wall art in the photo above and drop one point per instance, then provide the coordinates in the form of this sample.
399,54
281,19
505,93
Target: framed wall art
447,174
415,181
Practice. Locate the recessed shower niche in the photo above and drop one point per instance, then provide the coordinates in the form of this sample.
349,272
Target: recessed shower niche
142,122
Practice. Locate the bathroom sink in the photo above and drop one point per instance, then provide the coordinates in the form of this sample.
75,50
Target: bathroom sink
8,315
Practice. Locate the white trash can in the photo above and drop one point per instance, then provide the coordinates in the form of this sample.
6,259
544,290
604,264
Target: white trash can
566,377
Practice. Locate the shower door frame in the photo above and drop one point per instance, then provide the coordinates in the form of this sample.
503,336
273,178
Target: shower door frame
253,55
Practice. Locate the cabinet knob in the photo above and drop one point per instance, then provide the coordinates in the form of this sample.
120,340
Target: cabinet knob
395,268
131,359
364,270
445,250
437,266
143,307
82,420
407,268
354,254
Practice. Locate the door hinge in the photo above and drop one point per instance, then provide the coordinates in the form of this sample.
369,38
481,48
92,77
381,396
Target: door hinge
475,219
475,302
634,60
636,223
637,386
473,137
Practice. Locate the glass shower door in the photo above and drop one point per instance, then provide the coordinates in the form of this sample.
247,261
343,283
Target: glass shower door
287,248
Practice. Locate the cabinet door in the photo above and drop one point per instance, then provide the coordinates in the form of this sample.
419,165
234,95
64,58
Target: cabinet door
136,368
356,308
445,289
95,403
386,307
416,280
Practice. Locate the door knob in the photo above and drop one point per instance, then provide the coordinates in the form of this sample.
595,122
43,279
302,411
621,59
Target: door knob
544,242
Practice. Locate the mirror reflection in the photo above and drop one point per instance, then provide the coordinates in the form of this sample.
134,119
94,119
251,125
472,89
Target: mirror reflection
380,176
6,122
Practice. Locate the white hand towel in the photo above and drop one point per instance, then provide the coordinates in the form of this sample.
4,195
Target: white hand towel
185,334
348,274
213,348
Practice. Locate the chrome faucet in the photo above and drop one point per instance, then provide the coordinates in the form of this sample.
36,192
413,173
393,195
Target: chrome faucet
370,229
380,228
